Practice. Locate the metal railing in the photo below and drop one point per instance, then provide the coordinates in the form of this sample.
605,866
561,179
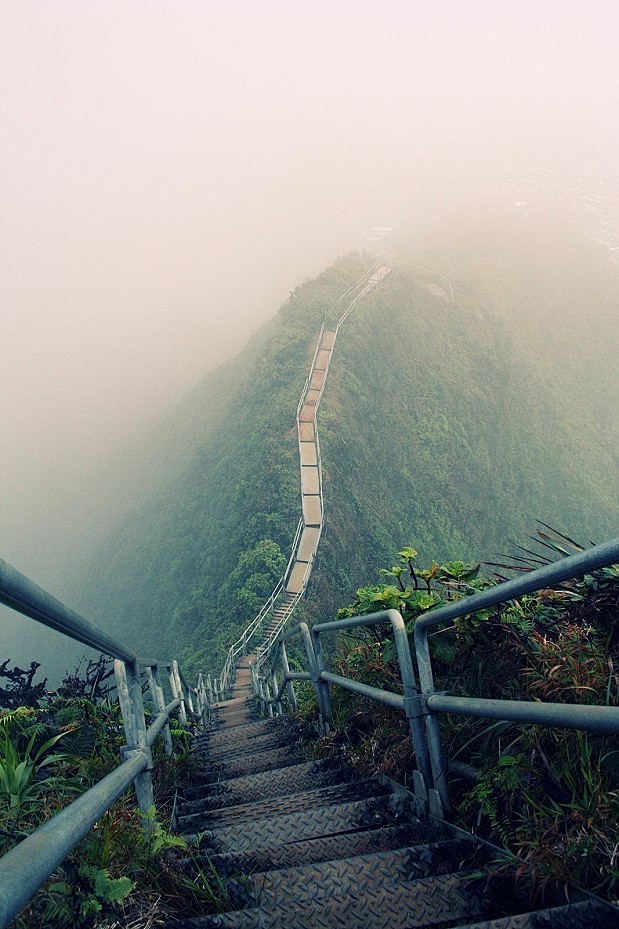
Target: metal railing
419,701
26,866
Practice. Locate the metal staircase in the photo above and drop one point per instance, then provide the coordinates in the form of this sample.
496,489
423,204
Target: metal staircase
306,844
290,588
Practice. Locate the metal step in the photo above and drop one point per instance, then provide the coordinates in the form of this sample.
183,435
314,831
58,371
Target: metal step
278,806
263,761
321,848
277,723
305,776
297,827
353,875
418,904
239,747
586,914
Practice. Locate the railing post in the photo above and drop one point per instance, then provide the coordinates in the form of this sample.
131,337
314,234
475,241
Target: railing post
202,701
156,690
436,800
177,691
268,695
129,690
289,685
275,685
433,731
324,711
259,692
322,685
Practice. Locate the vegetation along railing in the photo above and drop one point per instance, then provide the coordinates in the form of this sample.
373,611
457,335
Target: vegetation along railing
25,867
419,701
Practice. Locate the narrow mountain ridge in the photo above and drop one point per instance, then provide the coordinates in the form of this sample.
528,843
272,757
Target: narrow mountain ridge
438,429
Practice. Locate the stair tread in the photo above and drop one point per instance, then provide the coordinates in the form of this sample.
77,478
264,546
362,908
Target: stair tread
408,905
276,806
297,778
350,875
322,848
372,812
581,915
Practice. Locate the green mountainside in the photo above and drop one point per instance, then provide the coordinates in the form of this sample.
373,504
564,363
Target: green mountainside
447,427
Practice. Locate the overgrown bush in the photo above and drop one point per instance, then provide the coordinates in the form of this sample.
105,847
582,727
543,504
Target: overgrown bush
550,796
53,749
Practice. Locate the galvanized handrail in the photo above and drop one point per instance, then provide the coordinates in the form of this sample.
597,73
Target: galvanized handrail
421,703
25,867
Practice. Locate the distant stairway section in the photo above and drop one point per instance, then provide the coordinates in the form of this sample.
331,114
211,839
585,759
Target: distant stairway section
276,612
312,505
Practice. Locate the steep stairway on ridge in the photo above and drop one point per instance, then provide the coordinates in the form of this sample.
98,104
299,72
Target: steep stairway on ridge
307,844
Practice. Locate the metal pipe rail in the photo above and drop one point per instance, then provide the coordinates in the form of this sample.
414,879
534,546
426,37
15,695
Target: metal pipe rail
421,703
546,576
26,866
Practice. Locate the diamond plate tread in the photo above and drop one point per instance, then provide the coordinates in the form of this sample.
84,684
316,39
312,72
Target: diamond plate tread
298,778
324,848
295,827
246,746
233,721
279,806
256,740
206,785
583,915
352,875
248,764
410,905
215,736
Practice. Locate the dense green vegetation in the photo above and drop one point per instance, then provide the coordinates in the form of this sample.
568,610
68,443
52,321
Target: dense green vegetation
54,745
550,797
443,423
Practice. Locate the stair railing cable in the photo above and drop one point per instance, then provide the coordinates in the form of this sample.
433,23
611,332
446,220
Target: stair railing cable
26,866
419,701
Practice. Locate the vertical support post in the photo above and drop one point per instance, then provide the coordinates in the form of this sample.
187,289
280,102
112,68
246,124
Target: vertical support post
289,686
177,691
268,695
433,732
190,700
275,685
324,687
202,701
129,691
263,705
158,699
411,704
325,711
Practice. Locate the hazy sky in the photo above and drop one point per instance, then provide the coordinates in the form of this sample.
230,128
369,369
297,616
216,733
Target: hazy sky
168,170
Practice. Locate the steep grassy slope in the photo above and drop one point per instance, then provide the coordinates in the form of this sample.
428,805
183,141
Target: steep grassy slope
440,428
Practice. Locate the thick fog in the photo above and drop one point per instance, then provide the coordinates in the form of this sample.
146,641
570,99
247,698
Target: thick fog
170,170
